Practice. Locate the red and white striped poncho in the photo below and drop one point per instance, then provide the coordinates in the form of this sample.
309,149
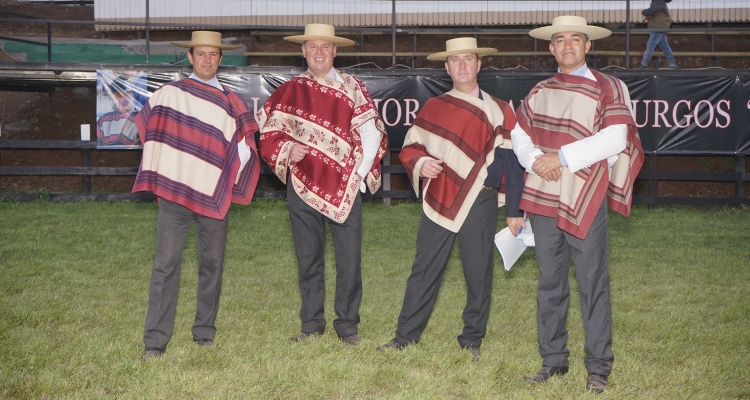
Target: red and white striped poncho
190,132
562,110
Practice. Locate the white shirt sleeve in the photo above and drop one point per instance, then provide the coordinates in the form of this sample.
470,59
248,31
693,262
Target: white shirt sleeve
524,148
244,152
605,144
370,136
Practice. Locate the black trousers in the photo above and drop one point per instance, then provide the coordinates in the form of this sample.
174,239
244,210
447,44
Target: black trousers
434,247
173,224
309,231
554,247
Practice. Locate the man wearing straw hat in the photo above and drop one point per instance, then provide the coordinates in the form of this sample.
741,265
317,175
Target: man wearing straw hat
577,140
198,157
321,134
460,144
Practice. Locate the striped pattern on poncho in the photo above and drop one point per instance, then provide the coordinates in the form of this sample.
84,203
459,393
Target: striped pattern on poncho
190,132
562,110
463,131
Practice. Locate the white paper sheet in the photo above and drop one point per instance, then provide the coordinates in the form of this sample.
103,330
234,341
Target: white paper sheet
511,247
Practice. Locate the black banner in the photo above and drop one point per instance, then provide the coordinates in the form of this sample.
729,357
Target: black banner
675,111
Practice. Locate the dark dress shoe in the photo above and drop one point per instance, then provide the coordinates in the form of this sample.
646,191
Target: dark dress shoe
393,344
596,382
205,342
475,353
545,373
303,336
152,352
351,340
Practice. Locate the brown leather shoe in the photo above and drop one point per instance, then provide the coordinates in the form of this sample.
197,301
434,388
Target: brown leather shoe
596,382
152,352
393,344
303,336
545,373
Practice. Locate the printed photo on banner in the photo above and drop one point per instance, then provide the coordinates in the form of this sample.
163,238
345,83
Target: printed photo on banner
120,95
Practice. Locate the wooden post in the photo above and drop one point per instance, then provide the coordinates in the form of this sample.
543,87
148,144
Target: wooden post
387,178
739,168
653,183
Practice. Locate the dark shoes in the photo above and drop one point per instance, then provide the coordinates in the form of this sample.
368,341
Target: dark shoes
151,352
596,383
393,344
303,336
545,373
642,66
475,353
205,343
351,340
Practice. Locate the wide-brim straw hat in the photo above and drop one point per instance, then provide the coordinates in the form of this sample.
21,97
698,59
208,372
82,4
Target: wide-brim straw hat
206,39
320,32
461,45
570,23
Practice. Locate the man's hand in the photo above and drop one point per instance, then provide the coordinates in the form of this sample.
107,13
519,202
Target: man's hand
431,168
548,166
298,152
515,224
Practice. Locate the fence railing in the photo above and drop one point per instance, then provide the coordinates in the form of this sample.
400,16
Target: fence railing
258,30
650,174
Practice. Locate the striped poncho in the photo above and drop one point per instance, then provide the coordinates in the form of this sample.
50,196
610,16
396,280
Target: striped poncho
463,131
325,115
190,133
562,110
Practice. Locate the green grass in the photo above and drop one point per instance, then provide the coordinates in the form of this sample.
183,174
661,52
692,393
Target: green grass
74,290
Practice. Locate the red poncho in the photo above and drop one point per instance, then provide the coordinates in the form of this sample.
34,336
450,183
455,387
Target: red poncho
325,115
463,131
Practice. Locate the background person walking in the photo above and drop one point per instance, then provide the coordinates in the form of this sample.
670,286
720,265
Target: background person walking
658,17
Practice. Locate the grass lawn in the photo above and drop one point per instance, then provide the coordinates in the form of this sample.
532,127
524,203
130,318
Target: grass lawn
74,290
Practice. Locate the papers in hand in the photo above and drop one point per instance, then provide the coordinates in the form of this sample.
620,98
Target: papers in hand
511,247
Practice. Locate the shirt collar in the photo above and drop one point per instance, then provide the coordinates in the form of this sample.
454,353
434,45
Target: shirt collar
581,71
212,82
475,92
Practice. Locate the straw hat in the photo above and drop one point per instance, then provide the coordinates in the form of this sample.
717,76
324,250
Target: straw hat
205,39
320,32
461,45
570,23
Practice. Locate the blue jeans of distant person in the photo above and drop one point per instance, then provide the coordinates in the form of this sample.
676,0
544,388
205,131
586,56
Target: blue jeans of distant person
658,39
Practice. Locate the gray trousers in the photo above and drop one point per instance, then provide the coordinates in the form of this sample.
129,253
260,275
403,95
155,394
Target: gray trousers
309,231
434,247
172,227
554,247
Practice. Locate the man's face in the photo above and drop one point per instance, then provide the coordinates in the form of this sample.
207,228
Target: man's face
205,62
319,55
463,68
569,49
